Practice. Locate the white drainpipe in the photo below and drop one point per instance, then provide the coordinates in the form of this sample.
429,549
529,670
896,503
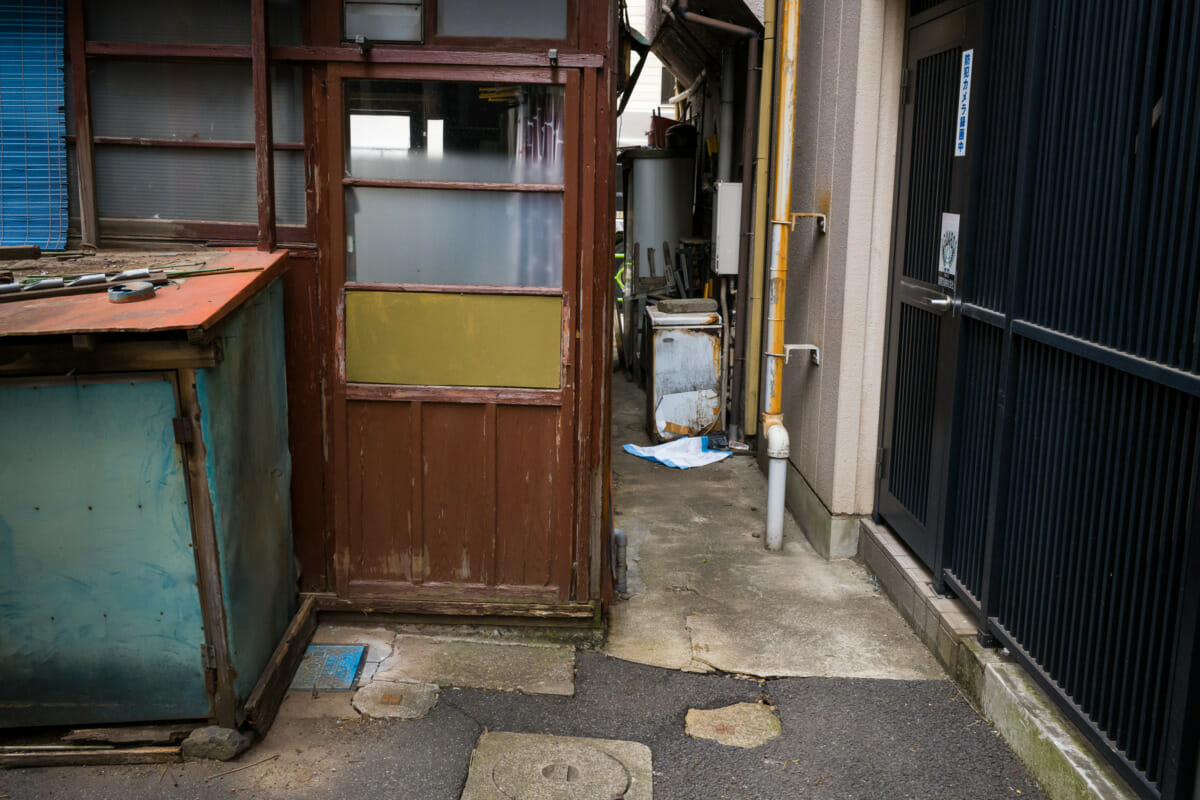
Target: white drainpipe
776,435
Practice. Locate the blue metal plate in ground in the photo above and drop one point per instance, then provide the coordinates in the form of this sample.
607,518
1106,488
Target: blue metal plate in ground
329,667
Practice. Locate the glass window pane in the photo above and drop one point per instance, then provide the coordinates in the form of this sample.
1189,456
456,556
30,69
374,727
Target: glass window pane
189,21
385,20
193,184
433,236
207,102
518,19
473,132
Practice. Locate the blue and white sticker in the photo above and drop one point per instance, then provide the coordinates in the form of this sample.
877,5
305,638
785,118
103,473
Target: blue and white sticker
964,103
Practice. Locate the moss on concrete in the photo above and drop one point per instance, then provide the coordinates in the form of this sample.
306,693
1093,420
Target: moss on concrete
1056,754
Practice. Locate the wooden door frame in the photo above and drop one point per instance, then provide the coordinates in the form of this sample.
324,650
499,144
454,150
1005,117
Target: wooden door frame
576,292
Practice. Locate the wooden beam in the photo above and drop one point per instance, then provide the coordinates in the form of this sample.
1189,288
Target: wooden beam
264,701
37,357
92,758
466,608
383,54
264,157
133,734
208,561
84,158
210,144
169,51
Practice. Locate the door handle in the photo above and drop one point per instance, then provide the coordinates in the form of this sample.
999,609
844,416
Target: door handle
944,304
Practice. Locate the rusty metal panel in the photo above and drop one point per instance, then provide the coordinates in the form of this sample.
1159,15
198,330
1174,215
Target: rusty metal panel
243,403
192,303
528,494
684,397
102,620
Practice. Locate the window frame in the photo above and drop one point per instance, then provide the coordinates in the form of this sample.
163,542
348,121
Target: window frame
333,157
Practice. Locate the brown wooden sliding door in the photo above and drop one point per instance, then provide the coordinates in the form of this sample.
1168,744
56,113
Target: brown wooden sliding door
453,235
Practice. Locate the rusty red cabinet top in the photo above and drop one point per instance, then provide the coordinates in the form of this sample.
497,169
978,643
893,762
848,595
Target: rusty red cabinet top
186,304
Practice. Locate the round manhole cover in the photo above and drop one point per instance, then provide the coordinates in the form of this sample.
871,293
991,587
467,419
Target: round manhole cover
560,771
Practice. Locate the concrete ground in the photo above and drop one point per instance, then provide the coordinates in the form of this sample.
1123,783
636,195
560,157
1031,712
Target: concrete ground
711,621
705,596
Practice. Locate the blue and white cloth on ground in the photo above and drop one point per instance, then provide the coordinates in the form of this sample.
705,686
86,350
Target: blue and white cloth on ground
682,453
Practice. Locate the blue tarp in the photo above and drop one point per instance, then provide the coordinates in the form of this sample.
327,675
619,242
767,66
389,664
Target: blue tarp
33,154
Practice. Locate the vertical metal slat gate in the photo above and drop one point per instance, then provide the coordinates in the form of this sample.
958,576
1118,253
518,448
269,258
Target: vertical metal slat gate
1070,519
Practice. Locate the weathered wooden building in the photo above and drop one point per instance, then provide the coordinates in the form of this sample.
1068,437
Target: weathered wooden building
440,173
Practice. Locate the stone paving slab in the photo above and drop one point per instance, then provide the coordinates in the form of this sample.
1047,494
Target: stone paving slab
395,699
745,725
518,766
531,669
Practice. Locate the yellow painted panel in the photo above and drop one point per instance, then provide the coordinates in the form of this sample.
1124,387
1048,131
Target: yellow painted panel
429,339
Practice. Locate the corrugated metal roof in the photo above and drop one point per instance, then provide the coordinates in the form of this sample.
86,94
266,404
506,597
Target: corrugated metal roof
33,156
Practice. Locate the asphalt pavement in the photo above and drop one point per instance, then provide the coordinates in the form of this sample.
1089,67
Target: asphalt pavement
842,738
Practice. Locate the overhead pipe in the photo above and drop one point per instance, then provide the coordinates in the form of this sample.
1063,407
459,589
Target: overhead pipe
778,443
689,91
681,8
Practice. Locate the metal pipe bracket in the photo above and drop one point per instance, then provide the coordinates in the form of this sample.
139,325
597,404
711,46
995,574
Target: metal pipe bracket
821,220
816,352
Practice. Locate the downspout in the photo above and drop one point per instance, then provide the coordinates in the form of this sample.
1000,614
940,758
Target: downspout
725,132
778,444
725,157
724,173
743,278
754,327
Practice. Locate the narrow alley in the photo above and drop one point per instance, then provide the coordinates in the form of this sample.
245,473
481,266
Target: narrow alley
863,709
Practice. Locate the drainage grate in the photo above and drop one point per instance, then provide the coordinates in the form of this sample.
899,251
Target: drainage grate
329,667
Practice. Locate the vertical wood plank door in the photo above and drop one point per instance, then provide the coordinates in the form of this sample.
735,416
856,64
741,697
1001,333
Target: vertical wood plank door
457,272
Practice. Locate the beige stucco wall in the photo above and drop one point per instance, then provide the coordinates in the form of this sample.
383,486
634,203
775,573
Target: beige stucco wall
847,120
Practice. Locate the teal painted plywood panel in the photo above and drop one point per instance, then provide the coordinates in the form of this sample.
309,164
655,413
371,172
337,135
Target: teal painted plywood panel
243,404
99,611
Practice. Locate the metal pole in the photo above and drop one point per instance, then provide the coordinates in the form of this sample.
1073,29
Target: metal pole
778,444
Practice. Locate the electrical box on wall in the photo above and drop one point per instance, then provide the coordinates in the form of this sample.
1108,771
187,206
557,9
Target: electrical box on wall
727,218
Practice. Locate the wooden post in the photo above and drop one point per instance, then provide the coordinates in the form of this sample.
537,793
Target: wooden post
84,163
219,660
264,156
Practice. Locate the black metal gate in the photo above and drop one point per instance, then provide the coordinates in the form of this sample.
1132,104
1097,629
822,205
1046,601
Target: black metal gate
1064,510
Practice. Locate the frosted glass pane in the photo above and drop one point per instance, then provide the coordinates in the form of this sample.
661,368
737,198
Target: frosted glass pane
454,237
384,22
189,21
518,19
193,184
472,132
209,102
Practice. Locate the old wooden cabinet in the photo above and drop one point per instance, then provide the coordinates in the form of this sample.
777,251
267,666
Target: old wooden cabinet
145,527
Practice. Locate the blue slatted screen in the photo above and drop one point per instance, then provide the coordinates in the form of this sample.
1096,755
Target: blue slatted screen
33,155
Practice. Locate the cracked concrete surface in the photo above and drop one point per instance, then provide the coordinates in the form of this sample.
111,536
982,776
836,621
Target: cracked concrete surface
705,596
402,670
